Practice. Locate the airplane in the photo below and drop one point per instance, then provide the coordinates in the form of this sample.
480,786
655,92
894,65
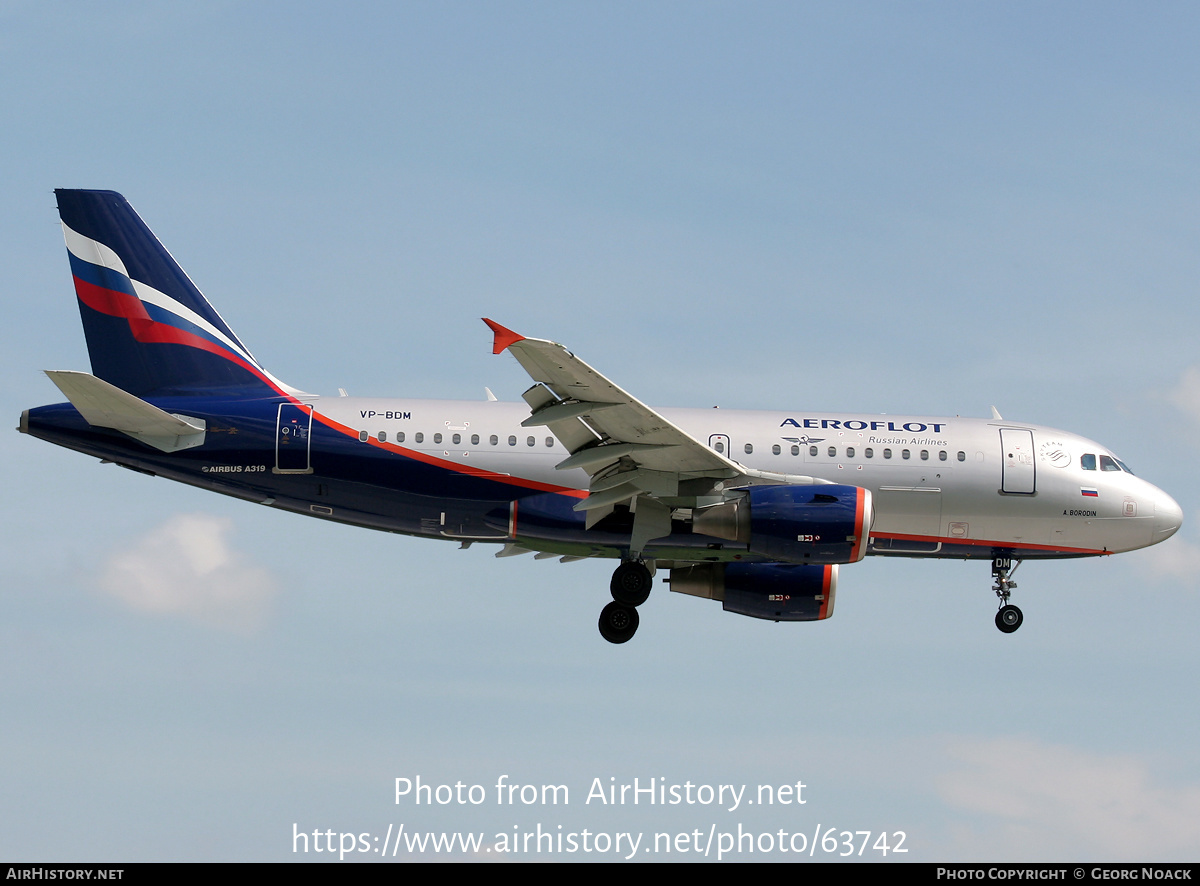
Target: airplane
755,510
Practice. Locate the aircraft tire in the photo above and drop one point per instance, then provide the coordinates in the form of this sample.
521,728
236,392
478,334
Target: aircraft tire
631,584
618,623
1009,618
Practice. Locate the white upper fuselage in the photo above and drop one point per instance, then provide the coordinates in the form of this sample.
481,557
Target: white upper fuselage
938,483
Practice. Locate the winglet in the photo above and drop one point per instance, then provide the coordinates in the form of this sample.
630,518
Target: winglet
504,337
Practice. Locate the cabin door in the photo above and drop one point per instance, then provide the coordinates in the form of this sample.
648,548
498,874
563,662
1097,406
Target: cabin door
293,439
1016,453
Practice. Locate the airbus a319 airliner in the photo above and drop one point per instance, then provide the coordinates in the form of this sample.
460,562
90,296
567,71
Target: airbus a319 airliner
756,510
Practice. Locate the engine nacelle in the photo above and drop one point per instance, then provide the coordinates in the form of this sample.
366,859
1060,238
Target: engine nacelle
775,591
798,524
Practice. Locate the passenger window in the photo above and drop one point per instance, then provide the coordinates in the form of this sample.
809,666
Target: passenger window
382,436
1087,462
719,446
812,450
1108,463
420,437
904,453
869,452
849,452
437,438
749,447
512,440
833,452
775,450
795,449
456,439
400,437
924,455
494,440
962,456
942,455
474,439
529,441
887,453
362,436
549,442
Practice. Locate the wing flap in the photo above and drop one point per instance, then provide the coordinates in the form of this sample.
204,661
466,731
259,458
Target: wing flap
566,428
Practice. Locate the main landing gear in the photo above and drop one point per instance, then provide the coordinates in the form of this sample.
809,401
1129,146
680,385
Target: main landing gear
1009,618
630,586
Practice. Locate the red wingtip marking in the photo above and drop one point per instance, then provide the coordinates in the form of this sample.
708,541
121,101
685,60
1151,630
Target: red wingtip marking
504,337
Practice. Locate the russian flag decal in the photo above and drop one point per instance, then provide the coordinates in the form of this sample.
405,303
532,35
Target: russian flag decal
1089,492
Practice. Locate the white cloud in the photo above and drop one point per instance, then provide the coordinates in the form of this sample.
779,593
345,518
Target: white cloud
186,567
1054,802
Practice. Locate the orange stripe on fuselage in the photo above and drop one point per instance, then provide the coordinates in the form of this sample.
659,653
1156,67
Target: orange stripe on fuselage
446,463
983,543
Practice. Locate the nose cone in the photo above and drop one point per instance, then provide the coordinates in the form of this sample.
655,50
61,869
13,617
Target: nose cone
1168,517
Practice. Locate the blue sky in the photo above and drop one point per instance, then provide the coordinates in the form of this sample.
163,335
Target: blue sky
883,208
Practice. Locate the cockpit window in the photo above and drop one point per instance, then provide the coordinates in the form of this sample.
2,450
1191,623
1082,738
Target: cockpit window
1087,462
1108,463
1124,466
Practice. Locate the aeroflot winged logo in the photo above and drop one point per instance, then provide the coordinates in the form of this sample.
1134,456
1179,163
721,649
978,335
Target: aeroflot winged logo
855,424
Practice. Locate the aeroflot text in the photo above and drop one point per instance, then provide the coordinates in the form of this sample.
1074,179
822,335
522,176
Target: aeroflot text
854,424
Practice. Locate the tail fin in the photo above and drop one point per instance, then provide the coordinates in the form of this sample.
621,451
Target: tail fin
148,328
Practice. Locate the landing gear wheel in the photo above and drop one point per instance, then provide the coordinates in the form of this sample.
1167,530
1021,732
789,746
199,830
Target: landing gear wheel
631,584
618,623
1009,618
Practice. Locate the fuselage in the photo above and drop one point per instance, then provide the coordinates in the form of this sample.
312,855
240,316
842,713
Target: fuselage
469,471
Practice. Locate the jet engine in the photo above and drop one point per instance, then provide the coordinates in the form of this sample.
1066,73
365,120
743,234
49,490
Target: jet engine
775,591
796,524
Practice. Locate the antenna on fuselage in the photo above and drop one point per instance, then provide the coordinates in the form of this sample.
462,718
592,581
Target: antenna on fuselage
996,414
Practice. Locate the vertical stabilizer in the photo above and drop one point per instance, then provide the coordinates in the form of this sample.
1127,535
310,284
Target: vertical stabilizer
148,328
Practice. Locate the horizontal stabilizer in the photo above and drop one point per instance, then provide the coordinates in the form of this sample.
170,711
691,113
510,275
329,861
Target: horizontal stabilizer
103,405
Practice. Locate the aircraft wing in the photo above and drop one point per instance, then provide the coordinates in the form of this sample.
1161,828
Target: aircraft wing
624,427
632,453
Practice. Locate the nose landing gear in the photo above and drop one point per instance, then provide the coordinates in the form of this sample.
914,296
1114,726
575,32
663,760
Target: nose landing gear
630,586
1009,618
